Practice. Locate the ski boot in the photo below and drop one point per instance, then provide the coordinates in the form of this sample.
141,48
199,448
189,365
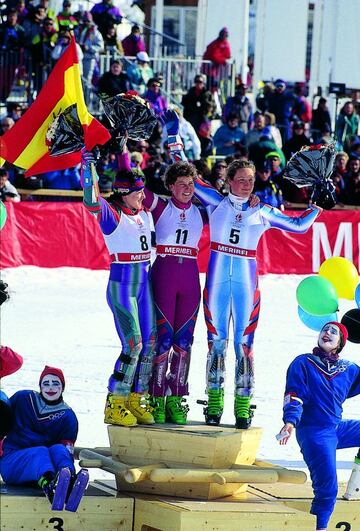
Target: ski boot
244,412
56,489
176,412
116,411
158,405
353,486
215,407
138,405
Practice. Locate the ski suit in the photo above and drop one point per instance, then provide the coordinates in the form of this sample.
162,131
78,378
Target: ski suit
41,439
231,289
315,392
127,236
176,285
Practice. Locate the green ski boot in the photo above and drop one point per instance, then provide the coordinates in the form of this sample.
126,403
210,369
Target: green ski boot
176,412
158,405
215,407
243,412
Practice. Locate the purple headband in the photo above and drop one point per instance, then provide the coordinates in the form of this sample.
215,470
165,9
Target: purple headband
125,187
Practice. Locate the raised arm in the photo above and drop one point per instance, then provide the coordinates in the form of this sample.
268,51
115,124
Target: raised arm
298,224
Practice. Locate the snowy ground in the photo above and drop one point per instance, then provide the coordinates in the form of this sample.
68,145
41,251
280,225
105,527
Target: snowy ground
60,317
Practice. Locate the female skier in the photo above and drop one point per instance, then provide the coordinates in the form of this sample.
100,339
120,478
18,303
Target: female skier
317,385
126,230
231,290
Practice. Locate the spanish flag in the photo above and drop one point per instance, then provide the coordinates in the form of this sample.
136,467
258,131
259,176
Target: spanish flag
24,145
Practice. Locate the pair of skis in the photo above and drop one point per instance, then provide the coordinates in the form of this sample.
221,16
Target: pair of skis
77,491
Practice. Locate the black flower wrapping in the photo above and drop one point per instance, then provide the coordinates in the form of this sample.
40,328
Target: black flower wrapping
313,166
131,114
65,135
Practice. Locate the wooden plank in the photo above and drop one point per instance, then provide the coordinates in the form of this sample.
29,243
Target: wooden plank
218,516
100,511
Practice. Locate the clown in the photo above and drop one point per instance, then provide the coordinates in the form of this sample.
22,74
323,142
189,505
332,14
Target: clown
41,440
317,385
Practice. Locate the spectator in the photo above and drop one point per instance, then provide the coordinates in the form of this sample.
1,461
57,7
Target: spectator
281,103
33,25
355,148
133,43
228,137
15,111
352,183
241,106
12,35
218,52
92,43
42,46
105,13
154,97
273,163
142,146
8,192
325,135
61,45
115,81
320,118
260,149
65,18
217,177
112,43
22,11
263,97
198,103
302,110
49,12
206,139
266,189
190,140
68,179
347,125
271,129
257,131
203,170
6,123
297,141
140,72
155,176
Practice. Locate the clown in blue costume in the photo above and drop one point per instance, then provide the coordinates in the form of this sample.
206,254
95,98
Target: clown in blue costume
41,440
317,385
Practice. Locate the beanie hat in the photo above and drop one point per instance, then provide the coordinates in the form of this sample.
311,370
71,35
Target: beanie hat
56,372
126,184
343,333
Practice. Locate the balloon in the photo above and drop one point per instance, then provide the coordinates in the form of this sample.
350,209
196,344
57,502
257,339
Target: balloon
317,296
351,320
316,322
357,295
3,214
342,274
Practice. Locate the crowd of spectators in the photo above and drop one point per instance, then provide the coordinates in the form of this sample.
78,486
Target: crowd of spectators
268,130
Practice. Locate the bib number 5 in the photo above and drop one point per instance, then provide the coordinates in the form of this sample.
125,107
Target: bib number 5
234,236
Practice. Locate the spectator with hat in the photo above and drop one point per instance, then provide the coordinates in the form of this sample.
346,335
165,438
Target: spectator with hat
140,72
317,385
105,13
229,136
198,103
218,52
266,189
10,362
114,81
133,43
280,103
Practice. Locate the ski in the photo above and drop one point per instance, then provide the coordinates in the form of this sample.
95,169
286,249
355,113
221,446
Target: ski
77,492
61,489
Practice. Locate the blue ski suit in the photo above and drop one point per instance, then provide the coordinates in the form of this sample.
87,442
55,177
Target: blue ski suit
315,392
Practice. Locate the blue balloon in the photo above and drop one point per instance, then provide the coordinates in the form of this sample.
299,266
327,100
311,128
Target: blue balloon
315,322
357,296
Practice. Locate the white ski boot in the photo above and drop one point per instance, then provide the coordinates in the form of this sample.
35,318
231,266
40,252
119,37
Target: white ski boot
353,486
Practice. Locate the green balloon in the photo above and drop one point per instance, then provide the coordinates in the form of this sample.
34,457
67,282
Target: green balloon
3,214
317,296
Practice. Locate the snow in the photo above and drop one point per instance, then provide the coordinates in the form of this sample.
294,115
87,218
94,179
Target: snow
60,317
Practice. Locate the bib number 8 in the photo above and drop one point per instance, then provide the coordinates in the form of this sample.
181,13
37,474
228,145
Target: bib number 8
144,243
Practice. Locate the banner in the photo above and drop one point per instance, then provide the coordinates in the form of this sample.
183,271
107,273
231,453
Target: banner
65,234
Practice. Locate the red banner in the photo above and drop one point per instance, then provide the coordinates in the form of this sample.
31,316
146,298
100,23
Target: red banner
65,234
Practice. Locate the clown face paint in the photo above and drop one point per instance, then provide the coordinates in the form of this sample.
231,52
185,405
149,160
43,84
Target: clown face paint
51,387
329,338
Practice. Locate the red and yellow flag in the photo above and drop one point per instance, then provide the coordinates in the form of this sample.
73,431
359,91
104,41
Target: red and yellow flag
24,145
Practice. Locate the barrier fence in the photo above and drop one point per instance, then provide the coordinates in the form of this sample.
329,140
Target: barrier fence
65,234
